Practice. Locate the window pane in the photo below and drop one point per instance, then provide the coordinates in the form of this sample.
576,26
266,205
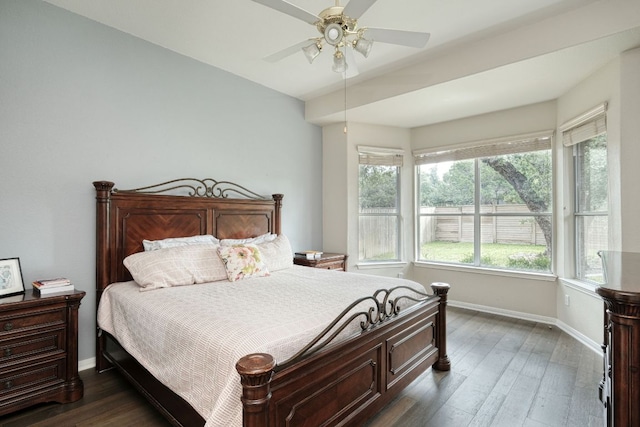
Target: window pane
591,164
592,234
511,187
515,242
591,196
379,205
378,238
517,179
446,238
379,188
447,184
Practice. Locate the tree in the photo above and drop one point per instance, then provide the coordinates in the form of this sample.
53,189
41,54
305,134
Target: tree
378,186
529,175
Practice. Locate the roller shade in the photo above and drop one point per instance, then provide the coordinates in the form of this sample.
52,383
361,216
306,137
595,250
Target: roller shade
380,156
486,148
585,127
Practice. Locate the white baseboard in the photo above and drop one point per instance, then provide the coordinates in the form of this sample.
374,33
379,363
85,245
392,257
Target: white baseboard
85,364
533,318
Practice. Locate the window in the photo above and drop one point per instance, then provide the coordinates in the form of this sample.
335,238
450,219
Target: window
587,138
487,204
379,204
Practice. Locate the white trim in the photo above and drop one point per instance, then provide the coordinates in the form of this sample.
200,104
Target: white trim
580,286
85,364
502,140
584,117
365,149
373,265
546,277
596,347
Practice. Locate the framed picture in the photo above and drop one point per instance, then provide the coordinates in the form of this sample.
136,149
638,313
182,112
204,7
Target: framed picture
10,277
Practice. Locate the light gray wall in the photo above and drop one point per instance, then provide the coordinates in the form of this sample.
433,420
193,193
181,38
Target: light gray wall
81,102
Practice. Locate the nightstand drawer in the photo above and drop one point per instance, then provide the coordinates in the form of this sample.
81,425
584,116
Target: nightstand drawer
31,319
13,350
39,350
333,265
32,377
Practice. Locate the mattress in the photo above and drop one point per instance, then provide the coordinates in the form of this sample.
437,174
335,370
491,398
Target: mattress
190,337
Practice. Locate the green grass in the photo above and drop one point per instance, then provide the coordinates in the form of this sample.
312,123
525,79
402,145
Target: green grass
526,257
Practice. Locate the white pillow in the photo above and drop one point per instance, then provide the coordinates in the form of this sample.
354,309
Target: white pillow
277,253
267,237
177,266
152,245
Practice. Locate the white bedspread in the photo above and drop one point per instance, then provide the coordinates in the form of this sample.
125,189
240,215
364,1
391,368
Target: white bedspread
190,337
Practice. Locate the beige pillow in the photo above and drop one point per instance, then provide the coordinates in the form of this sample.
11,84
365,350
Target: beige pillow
177,266
267,237
277,253
154,245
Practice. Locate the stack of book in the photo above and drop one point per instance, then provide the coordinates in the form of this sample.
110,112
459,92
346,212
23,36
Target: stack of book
310,254
53,286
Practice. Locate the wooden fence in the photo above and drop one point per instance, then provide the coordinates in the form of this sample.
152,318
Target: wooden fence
494,229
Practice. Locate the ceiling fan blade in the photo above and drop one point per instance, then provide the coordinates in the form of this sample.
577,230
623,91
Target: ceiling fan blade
404,38
355,8
296,48
290,9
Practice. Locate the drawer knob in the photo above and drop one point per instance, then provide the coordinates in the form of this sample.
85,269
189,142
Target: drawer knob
7,352
8,385
8,326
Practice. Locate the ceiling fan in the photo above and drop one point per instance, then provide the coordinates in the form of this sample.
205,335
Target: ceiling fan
338,26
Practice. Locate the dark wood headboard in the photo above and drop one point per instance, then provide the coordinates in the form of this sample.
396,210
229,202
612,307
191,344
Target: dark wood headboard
125,217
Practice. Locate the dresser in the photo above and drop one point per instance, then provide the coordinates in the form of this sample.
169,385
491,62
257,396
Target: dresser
39,350
328,261
620,385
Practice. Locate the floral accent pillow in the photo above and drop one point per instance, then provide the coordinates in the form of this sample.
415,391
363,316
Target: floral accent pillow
243,261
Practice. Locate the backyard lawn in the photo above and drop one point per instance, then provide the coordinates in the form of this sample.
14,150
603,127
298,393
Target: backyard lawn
527,257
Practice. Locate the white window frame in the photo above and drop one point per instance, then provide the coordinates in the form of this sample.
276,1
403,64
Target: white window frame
575,132
474,151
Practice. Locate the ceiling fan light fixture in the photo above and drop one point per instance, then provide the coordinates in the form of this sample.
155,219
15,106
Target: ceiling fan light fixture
363,46
339,62
312,51
333,34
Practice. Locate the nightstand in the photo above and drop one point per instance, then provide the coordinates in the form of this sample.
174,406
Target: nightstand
39,350
328,261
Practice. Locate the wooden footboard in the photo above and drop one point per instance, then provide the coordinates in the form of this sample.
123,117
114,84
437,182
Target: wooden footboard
352,381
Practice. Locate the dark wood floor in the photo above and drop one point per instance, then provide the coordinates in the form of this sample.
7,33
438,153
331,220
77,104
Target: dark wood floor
505,372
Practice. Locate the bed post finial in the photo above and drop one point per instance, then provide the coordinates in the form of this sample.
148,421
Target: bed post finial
255,372
443,363
277,228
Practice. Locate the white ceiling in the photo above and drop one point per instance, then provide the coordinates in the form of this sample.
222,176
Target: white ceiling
481,57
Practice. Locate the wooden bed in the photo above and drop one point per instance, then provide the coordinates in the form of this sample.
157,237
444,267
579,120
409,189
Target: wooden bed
341,384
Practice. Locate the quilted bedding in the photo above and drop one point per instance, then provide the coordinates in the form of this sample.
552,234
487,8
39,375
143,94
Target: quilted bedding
190,337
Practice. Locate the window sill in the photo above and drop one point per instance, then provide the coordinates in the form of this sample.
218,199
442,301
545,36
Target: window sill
578,285
546,277
382,264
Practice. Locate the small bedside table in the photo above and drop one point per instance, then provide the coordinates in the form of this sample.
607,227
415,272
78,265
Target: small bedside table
328,261
39,350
